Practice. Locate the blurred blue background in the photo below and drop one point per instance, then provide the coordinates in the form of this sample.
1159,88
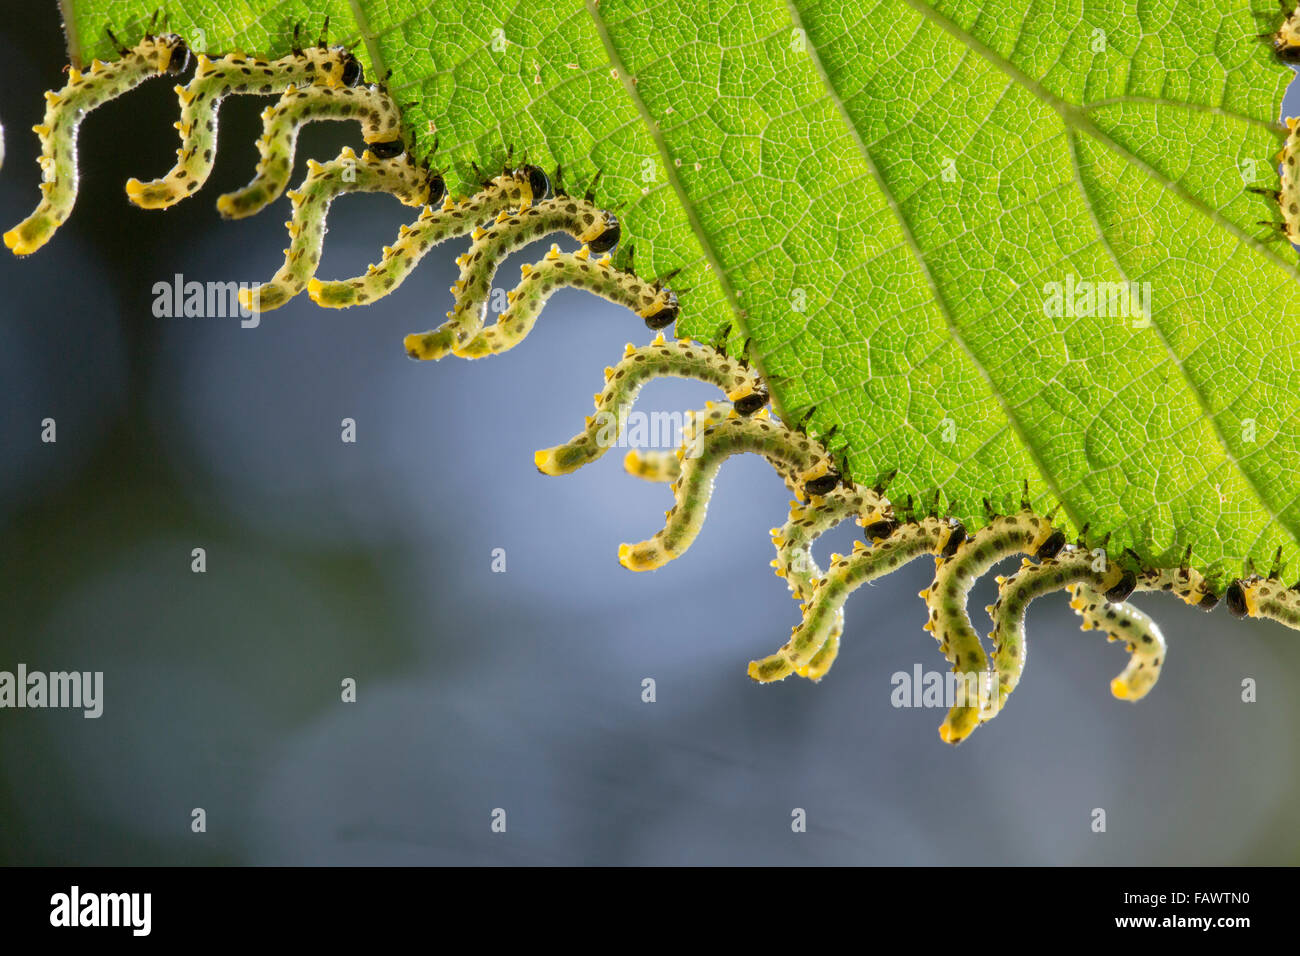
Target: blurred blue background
481,690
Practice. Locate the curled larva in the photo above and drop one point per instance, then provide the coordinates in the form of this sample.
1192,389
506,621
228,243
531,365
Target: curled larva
823,612
790,452
380,129
65,110
519,189
346,174
1069,567
795,563
623,382
597,229
1264,597
656,305
332,67
946,597
661,465
1123,622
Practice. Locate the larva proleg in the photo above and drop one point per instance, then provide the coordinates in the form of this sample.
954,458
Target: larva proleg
65,110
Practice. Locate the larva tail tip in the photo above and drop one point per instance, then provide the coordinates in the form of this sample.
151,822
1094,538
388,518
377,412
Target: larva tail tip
770,669
1121,690
20,246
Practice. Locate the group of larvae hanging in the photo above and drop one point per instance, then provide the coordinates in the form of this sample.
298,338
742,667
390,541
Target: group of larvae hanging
523,204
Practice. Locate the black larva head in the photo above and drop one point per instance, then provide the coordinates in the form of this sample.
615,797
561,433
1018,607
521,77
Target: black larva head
1208,602
179,59
879,529
666,315
749,404
539,184
437,188
1236,598
386,150
956,536
1121,591
608,239
353,72
823,485
1051,547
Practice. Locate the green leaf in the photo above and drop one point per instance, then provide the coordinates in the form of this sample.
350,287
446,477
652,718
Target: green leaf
881,198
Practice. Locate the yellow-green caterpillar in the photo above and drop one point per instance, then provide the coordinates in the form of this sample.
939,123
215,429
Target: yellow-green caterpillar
946,598
278,142
518,190
795,563
1123,622
823,612
64,111
792,454
1068,567
623,382
311,201
332,68
656,305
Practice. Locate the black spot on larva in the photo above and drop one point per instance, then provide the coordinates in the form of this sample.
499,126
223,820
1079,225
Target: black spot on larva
1236,597
353,73
388,150
1051,547
1122,590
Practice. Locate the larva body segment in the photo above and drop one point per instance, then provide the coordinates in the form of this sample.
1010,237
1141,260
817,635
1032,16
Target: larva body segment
278,143
623,383
789,451
346,174
1264,597
201,98
65,110
823,612
946,598
1070,567
1288,195
1123,622
454,218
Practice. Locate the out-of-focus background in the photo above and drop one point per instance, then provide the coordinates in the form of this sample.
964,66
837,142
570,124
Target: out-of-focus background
479,690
